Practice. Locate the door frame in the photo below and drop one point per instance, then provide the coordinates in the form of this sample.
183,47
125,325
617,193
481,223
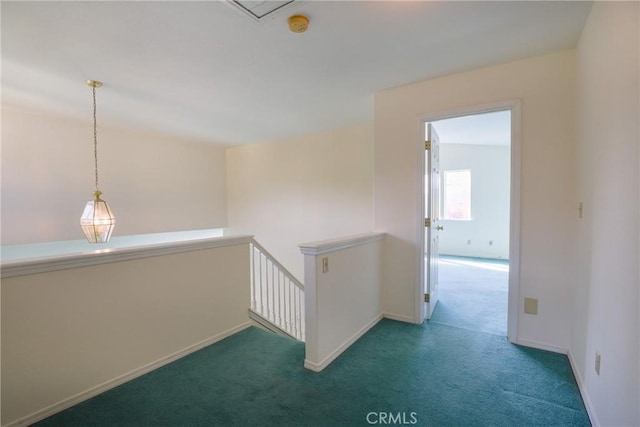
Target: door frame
513,105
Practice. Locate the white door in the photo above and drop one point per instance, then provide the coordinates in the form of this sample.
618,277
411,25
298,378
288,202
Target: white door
432,219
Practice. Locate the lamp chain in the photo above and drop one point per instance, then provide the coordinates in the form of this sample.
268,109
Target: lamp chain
95,136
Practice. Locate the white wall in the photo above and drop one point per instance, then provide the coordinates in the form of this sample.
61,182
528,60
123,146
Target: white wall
153,183
307,188
545,86
489,166
65,332
607,283
344,302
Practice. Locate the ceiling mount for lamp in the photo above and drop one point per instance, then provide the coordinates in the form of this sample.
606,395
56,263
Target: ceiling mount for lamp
94,83
298,23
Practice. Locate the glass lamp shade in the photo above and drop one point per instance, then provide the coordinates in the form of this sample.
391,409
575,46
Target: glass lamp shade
97,220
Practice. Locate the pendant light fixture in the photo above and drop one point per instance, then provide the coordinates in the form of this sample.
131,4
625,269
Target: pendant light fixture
97,220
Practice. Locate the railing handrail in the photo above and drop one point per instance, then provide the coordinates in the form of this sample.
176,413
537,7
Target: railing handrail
273,259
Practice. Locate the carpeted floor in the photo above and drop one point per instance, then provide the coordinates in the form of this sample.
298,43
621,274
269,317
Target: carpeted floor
424,375
473,294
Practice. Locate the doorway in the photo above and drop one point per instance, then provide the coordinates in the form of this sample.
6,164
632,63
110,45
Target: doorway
471,205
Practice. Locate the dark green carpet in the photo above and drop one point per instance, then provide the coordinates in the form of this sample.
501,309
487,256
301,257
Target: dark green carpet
447,376
473,294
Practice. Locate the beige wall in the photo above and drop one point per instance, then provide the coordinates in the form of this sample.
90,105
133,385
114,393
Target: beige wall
154,183
545,86
607,283
66,332
302,189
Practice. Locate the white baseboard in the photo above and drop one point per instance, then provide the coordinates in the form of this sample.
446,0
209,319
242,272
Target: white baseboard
583,391
399,317
94,391
317,367
542,346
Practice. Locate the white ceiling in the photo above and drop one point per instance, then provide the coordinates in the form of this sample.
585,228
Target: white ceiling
204,70
481,129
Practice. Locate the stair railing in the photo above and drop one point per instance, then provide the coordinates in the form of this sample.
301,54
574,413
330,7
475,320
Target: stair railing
276,295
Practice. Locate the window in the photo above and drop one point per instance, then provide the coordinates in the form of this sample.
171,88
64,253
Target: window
457,195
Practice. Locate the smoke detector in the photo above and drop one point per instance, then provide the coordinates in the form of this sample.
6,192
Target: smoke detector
298,23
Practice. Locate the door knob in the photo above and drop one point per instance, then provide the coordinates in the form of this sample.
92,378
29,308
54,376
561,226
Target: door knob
440,227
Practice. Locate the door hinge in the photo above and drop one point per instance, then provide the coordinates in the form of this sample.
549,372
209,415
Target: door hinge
426,297
427,145
427,222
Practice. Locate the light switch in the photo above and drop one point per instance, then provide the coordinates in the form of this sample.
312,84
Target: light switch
325,264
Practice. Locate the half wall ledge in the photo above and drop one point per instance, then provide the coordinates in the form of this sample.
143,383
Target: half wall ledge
331,245
43,264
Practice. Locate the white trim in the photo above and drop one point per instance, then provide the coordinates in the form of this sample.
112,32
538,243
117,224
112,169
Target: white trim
513,306
400,318
326,246
542,346
311,307
270,326
317,367
104,256
94,391
591,411
419,307
514,106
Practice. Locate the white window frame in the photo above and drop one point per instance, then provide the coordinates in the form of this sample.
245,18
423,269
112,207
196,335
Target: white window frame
444,195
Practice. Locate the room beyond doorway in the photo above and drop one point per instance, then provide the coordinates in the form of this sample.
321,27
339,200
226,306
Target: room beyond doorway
474,213
473,294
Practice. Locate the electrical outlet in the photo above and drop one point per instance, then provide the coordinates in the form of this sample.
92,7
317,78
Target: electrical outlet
325,264
490,242
468,242
598,358
531,305
580,210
